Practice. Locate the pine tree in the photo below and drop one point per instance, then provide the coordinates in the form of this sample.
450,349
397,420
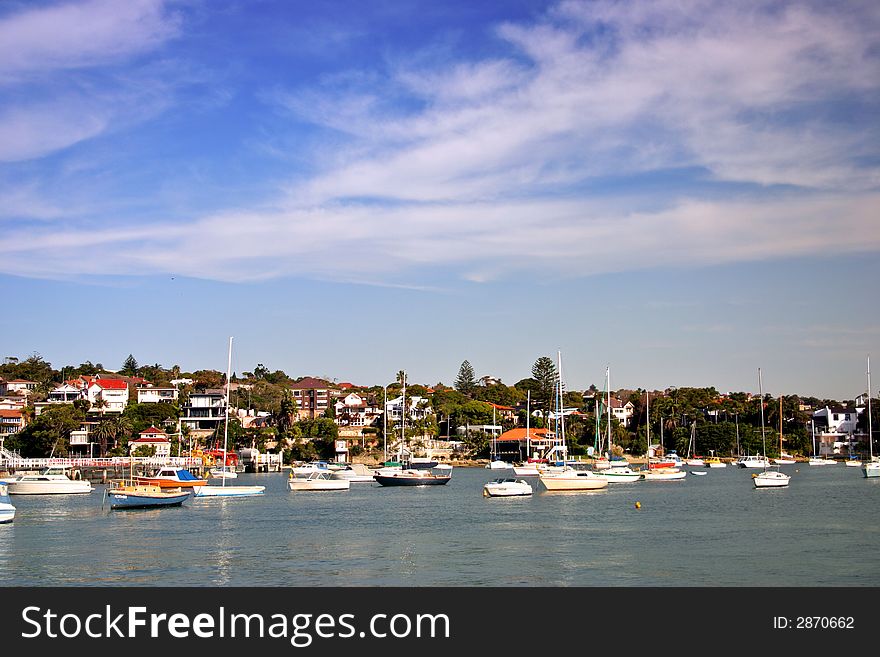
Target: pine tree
466,381
544,372
130,366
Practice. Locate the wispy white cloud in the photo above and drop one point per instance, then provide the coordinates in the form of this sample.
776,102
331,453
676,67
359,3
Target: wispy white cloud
491,167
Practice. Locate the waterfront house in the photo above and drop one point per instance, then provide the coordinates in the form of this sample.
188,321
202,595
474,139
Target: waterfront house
107,395
835,426
204,411
152,437
150,394
66,393
515,445
353,410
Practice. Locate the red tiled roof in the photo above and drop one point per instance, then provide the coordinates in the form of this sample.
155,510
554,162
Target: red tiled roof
9,413
152,430
149,440
111,384
500,407
520,434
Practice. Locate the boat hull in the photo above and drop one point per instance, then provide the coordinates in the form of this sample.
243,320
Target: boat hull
140,499
574,481
771,480
664,474
228,491
318,485
399,479
7,513
872,470
71,487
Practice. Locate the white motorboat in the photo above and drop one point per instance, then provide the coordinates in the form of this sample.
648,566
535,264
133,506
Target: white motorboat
499,465
853,463
317,481
621,474
355,473
770,479
821,460
784,459
752,461
55,480
7,511
872,468
223,472
506,488
304,469
571,479
695,462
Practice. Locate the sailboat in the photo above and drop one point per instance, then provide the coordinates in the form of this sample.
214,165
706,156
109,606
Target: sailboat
653,472
816,459
223,490
409,473
691,458
567,478
784,457
767,478
872,467
616,471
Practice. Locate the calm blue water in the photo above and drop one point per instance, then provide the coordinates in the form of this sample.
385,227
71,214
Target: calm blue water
714,530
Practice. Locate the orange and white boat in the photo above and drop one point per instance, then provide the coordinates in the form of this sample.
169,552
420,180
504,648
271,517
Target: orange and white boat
169,477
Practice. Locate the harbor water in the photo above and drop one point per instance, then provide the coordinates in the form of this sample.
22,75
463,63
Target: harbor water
703,531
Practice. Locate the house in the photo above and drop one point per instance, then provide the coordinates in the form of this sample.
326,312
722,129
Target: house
623,412
107,395
515,445
17,387
204,411
66,393
353,410
152,437
150,394
835,426
12,420
312,397
418,408
504,413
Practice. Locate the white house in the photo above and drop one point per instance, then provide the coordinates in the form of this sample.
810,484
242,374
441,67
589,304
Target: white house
152,437
150,394
418,408
17,387
205,410
66,393
623,412
355,411
107,395
837,419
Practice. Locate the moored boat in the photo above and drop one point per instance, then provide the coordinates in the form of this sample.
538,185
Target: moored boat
170,477
407,477
317,481
7,511
355,473
571,479
133,495
506,487
55,480
621,474
771,479
714,462
664,474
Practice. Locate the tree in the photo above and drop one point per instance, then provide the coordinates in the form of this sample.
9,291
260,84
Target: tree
130,366
545,374
48,433
466,381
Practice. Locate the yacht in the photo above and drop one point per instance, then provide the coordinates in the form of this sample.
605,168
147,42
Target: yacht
355,473
317,481
752,461
771,479
54,480
507,487
7,511
571,479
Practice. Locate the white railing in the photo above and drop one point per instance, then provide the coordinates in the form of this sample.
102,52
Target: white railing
106,462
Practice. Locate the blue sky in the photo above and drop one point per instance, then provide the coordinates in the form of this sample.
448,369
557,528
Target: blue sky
684,191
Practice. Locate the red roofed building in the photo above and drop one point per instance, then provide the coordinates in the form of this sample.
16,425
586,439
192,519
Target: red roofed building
107,395
11,421
514,445
312,397
152,437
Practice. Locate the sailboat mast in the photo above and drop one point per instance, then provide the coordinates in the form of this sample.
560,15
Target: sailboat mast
761,393
608,409
402,419
226,418
780,426
870,432
648,428
560,415
528,413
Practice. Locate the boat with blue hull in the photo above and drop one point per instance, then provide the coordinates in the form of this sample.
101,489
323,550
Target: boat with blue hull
144,496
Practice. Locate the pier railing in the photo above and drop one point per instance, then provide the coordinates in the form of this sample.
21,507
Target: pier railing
106,462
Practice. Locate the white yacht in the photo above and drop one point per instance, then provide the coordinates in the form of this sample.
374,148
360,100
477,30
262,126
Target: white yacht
506,487
355,473
771,479
317,481
7,511
54,480
753,461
